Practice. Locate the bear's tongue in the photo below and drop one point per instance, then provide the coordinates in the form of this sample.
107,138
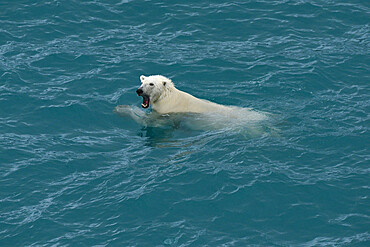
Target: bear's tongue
145,103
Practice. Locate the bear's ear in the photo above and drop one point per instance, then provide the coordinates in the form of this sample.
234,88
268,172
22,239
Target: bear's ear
142,78
164,83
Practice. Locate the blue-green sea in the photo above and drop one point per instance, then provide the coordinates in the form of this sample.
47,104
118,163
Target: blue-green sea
75,173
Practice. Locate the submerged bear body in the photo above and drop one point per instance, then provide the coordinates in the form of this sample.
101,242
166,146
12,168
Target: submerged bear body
170,104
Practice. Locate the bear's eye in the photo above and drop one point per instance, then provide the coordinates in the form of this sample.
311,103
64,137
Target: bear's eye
151,84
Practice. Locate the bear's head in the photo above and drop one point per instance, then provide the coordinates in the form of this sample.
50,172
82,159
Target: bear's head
153,88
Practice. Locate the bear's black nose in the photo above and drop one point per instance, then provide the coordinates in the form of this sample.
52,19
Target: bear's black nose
139,91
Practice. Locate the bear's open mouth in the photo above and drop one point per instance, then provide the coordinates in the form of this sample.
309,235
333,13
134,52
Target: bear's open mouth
145,103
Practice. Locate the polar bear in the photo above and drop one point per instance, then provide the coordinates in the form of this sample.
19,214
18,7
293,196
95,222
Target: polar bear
168,102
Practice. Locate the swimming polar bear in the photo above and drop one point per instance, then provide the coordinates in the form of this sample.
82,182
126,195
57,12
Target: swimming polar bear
171,106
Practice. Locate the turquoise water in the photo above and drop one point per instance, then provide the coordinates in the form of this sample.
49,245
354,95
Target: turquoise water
74,173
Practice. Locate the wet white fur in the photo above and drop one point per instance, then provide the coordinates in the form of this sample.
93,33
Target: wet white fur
165,99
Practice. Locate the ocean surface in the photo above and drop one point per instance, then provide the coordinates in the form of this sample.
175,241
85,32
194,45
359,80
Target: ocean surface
74,173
